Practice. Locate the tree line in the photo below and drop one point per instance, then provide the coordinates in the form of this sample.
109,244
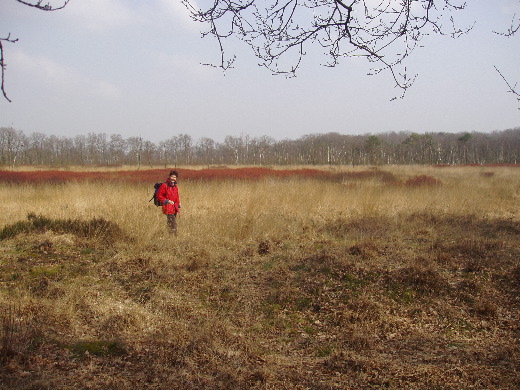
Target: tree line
497,147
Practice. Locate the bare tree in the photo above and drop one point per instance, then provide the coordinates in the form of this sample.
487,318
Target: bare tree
11,143
206,151
44,6
116,148
384,31
135,146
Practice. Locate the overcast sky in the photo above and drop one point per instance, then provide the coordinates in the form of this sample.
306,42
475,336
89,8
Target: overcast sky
133,67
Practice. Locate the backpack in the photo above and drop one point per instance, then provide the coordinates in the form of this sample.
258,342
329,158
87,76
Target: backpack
154,197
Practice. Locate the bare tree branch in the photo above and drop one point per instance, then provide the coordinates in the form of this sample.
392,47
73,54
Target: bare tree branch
512,88
44,6
39,5
2,63
513,28
385,32
511,31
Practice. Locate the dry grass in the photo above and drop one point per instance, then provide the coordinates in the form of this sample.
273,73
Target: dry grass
405,279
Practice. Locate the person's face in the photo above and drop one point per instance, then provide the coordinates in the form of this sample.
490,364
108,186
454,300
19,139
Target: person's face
173,178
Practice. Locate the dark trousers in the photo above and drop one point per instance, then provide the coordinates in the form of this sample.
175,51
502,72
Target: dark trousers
172,222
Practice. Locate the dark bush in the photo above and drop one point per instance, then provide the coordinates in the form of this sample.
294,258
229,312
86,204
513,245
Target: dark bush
99,228
422,181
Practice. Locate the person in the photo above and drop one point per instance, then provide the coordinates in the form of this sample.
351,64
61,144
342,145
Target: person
168,196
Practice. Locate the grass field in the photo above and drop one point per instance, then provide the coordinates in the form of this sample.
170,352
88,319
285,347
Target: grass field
396,277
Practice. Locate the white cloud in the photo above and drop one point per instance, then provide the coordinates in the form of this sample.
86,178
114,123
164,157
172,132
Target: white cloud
100,15
58,78
179,14
103,15
182,65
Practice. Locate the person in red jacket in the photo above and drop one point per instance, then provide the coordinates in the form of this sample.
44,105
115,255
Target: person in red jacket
168,196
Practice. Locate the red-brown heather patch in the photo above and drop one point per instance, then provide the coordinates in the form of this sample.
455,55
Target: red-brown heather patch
57,177
152,175
476,165
248,173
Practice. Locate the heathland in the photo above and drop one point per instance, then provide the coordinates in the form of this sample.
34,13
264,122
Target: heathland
354,278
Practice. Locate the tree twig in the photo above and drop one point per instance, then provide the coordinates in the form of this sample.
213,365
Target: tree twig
3,65
512,89
39,5
44,6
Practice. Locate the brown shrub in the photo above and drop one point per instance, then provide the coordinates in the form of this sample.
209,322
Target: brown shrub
365,226
382,176
347,362
418,279
364,250
19,333
263,248
422,181
485,308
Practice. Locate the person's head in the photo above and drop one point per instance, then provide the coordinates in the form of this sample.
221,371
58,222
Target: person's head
173,176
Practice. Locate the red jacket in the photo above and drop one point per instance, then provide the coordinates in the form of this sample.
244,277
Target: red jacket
169,191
